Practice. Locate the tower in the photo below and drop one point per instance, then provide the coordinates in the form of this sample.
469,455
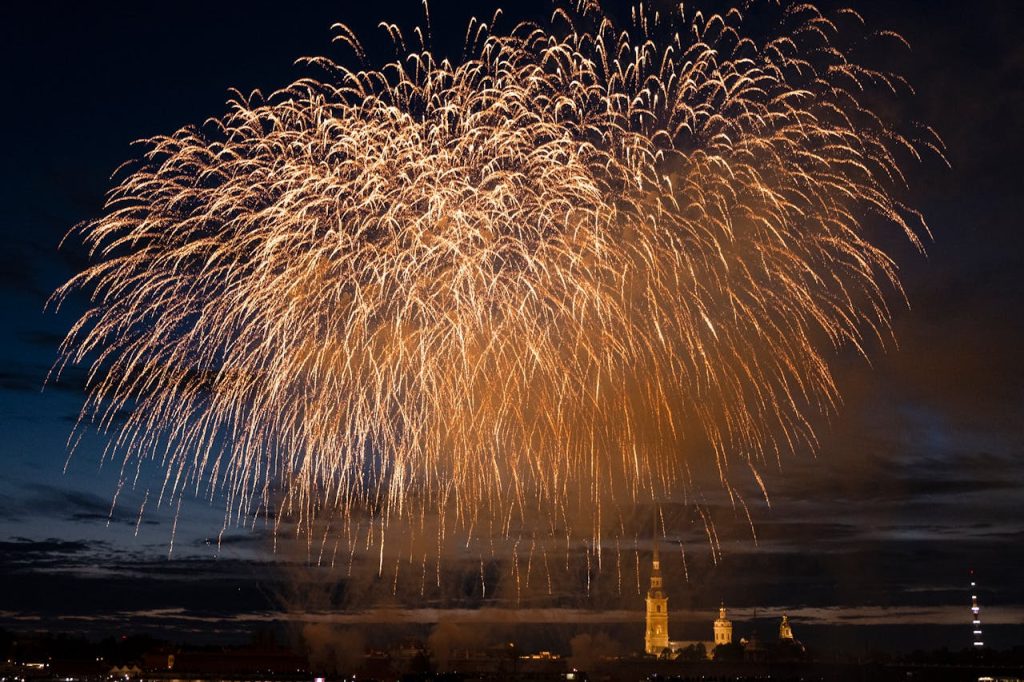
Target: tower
656,637
785,631
975,614
723,628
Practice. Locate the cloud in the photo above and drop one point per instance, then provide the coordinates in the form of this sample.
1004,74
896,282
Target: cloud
32,377
468,621
253,538
19,379
19,268
395,616
22,549
45,339
16,616
40,500
900,615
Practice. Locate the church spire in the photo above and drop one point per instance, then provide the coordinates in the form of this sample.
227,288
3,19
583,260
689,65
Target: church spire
657,558
656,582
656,637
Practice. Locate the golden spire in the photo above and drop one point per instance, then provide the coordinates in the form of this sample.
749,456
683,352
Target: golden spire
656,583
657,558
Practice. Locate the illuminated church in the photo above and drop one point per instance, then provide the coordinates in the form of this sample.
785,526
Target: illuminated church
657,643
656,638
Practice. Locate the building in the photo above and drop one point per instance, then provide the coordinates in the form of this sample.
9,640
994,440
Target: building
789,647
656,636
723,628
657,643
785,631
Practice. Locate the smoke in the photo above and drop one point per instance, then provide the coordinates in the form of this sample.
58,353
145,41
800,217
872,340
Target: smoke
333,650
446,640
588,649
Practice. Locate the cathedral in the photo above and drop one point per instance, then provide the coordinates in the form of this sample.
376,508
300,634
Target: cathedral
657,643
656,638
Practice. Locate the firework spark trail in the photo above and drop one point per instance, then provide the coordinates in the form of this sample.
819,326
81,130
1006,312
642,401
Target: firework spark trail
545,279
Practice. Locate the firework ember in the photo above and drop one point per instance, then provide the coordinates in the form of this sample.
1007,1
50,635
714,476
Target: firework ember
534,286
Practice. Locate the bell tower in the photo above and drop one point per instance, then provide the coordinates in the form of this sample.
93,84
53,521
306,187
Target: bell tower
656,638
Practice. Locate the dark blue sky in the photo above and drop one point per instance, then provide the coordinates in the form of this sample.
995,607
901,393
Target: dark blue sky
919,477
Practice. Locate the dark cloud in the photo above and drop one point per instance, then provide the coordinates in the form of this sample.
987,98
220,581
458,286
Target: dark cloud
33,377
257,539
19,269
18,380
45,339
43,501
85,582
71,379
20,548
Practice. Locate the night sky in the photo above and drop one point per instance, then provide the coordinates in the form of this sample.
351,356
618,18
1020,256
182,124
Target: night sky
919,478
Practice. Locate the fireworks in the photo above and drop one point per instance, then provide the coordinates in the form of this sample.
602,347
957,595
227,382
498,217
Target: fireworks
517,291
